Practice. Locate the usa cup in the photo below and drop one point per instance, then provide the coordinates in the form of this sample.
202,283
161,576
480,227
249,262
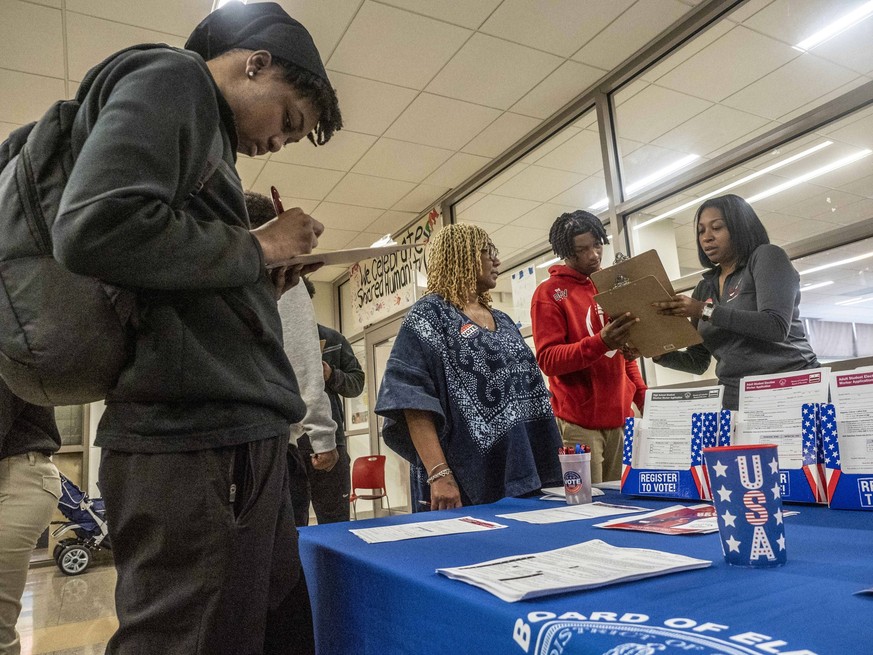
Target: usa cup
744,481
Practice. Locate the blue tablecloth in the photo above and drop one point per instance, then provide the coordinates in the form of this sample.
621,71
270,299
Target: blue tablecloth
386,599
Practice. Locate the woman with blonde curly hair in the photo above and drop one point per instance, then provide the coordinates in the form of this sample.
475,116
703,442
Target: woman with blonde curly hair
462,396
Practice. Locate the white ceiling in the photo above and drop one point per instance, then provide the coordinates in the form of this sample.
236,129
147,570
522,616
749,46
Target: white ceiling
431,91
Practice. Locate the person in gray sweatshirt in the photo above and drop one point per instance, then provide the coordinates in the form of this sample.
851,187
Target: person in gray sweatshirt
746,307
302,345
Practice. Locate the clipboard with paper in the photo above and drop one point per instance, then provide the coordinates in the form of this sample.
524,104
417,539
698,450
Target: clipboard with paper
632,286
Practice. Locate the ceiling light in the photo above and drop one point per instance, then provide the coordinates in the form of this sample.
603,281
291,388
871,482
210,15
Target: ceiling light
841,262
649,180
840,25
218,4
384,241
732,185
854,301
549,263
819,285
800,179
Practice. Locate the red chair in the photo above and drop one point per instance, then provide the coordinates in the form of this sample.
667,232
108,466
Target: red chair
369,473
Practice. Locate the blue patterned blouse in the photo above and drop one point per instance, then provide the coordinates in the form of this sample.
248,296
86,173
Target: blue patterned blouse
487,396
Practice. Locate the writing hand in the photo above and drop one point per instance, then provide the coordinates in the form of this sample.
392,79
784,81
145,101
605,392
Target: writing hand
291,233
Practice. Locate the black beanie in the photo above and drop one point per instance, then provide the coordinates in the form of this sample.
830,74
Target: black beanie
258,26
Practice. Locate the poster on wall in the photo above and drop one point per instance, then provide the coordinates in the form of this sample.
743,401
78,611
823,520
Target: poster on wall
524,281
383,286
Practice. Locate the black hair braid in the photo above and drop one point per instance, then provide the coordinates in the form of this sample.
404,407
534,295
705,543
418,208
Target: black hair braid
568,226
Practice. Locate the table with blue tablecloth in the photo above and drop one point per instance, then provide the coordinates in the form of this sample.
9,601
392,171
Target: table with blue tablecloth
387,599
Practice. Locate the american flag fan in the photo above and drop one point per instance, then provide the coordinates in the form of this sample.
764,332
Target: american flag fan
830,447
628,450
813,468
703,435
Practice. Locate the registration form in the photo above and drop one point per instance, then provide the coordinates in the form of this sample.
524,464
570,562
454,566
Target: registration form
662,438
852,395
771,410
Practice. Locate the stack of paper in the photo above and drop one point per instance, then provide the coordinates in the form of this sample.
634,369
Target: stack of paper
583,566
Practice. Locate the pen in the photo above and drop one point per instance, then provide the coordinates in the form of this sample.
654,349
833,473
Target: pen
277,201
424,503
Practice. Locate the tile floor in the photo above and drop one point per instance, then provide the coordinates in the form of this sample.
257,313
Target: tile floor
68,615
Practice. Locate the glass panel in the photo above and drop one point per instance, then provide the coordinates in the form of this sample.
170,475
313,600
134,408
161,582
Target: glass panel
396,468
837,300
820,182
562,174
346,307
70,424
357,409
749,73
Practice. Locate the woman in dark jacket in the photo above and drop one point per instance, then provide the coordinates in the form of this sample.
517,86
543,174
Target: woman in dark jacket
746,308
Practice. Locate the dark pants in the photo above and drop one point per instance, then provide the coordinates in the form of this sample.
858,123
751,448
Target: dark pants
299,486
206,553
329,489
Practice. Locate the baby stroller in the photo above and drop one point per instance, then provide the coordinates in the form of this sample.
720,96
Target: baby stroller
86,517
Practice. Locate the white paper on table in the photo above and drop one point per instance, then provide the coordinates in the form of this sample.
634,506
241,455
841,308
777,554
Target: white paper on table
852,395
386,533
771,410
587,565
558,493
615,485
571,513
662,439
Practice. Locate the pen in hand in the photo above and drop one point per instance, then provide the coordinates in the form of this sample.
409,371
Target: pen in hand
277,201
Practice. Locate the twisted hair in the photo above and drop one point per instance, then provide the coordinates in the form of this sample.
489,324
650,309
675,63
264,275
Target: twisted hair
319,91
568,226
454,262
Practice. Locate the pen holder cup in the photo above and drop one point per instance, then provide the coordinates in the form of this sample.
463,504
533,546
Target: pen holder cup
576,471
744,481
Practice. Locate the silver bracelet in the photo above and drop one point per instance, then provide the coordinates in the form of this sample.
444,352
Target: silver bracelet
436,466
439,474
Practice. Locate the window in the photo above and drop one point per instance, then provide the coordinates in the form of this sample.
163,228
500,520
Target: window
692,106
562,174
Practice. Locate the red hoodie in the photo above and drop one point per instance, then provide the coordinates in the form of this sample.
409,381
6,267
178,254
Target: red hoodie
590,387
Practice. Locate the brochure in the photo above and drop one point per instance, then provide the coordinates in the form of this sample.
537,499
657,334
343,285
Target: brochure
587,565
676,519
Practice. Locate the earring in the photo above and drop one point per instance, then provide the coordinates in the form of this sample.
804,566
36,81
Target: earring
251,73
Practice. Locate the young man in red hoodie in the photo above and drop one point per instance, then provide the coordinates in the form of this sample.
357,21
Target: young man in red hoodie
579,348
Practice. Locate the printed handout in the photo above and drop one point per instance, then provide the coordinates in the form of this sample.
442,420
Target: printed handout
587,565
